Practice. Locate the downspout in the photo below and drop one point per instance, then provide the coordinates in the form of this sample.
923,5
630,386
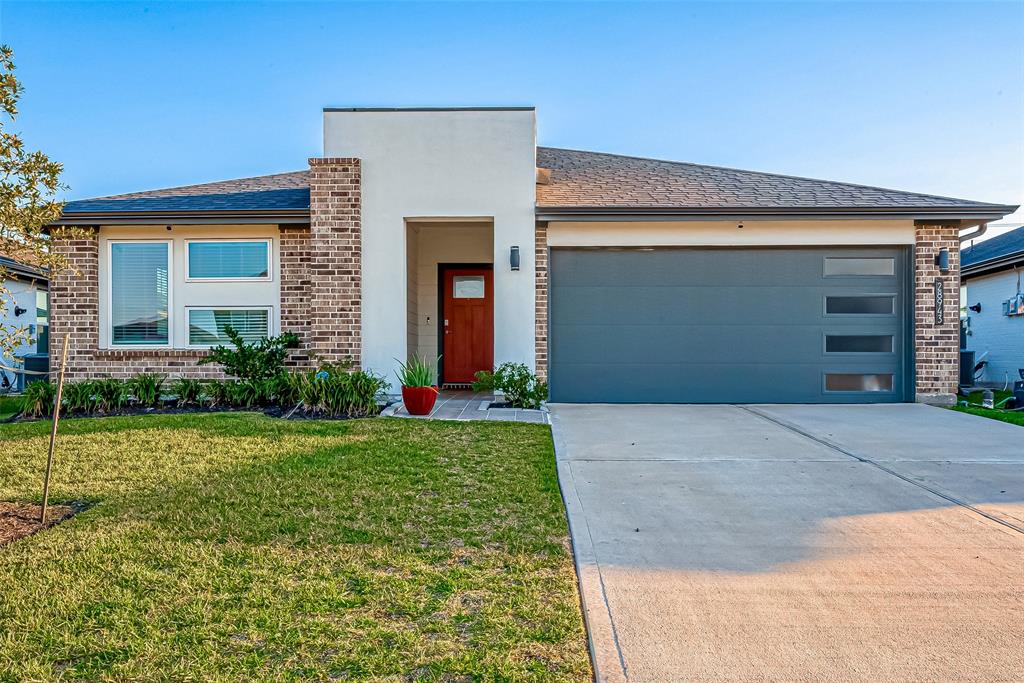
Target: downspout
974,233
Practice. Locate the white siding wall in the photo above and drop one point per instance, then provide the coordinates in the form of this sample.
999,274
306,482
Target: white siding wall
22,295
1002,336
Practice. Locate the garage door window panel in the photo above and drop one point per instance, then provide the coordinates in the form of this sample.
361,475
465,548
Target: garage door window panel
858,382
862,304
858,343
856,266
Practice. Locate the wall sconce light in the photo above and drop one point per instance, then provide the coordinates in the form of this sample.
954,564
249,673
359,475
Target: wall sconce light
942,260
976,307
19,311
513,258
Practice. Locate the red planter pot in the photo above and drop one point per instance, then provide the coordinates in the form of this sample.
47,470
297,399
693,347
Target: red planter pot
419,400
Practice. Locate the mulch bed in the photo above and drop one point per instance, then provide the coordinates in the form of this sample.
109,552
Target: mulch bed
18,520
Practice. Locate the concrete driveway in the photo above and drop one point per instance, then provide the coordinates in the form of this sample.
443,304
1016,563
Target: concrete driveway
796,542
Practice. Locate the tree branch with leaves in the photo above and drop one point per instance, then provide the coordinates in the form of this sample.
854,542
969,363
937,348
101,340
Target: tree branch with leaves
29,183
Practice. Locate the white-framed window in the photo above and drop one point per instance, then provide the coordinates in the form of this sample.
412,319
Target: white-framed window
207,324
139,293
228,259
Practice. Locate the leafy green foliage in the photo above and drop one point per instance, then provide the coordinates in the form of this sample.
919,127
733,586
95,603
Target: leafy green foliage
111,394
252,393
418,372
30,183
337,392
521,387
219,393
79,397
39,399
263,359
147,389
189,392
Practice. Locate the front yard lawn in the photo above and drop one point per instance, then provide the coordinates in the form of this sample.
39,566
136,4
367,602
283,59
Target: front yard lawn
1013,417
239,547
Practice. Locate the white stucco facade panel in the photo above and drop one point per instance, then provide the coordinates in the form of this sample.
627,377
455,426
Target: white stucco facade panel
728,233
185,294
1000,335
457,165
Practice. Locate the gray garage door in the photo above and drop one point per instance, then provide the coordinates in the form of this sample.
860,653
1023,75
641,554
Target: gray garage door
728,325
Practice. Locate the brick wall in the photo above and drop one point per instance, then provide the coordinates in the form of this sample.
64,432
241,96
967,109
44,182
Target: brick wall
936,345
295,289
335,269
541,325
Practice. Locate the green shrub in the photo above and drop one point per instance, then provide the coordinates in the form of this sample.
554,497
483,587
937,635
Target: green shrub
79,397
147,389
336,392
252,393
188,391
288,389
219,392
110,394
418,372
39,399
521,387
263,359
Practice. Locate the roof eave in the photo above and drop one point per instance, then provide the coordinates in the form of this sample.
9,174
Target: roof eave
976,214
993,264
277,216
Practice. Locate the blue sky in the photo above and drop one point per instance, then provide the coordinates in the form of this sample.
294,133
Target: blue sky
918,96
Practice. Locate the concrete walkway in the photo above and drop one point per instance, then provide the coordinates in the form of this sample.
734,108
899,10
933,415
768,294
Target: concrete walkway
810,543
468,405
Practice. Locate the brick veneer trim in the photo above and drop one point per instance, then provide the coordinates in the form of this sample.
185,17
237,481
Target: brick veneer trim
541,313
936,346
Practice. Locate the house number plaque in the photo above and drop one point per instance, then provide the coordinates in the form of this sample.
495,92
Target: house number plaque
940,301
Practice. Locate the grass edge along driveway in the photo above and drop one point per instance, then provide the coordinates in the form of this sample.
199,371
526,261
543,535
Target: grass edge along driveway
239,547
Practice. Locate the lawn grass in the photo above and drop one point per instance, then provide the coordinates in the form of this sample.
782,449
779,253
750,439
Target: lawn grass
1013,417
239,547
9,405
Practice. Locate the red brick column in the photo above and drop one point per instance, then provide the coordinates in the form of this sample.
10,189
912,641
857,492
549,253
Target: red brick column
295,288
335,267
541,314
75,302
936,345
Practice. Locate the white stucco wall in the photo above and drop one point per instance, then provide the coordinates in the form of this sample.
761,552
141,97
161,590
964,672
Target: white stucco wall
727,233
1002,336
263,294
22,294
460,165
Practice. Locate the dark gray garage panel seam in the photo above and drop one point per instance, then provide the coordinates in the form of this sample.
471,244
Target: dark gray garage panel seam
868,461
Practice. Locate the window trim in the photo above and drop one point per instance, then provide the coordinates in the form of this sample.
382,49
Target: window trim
858,392
109,276
844,333
269,241
894,296
827,258
188,309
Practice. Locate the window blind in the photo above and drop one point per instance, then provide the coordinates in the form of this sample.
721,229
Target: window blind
138,289
228,260
206,326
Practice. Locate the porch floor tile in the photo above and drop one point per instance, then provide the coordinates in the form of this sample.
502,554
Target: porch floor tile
468,405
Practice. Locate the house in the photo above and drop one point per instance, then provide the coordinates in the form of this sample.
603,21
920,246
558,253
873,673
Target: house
993,306
25,306
450,232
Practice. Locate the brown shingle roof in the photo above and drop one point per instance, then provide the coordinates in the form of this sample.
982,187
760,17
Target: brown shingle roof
592,180
596,179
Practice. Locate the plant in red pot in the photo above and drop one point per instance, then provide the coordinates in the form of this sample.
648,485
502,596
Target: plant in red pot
419,389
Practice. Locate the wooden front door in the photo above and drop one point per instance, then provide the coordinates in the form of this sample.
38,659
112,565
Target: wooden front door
467,323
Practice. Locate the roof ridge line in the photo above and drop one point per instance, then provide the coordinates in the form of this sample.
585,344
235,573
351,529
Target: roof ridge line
775,175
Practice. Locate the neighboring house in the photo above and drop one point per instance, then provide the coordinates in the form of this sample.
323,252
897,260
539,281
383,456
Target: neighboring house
991,280
449,232
26,306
